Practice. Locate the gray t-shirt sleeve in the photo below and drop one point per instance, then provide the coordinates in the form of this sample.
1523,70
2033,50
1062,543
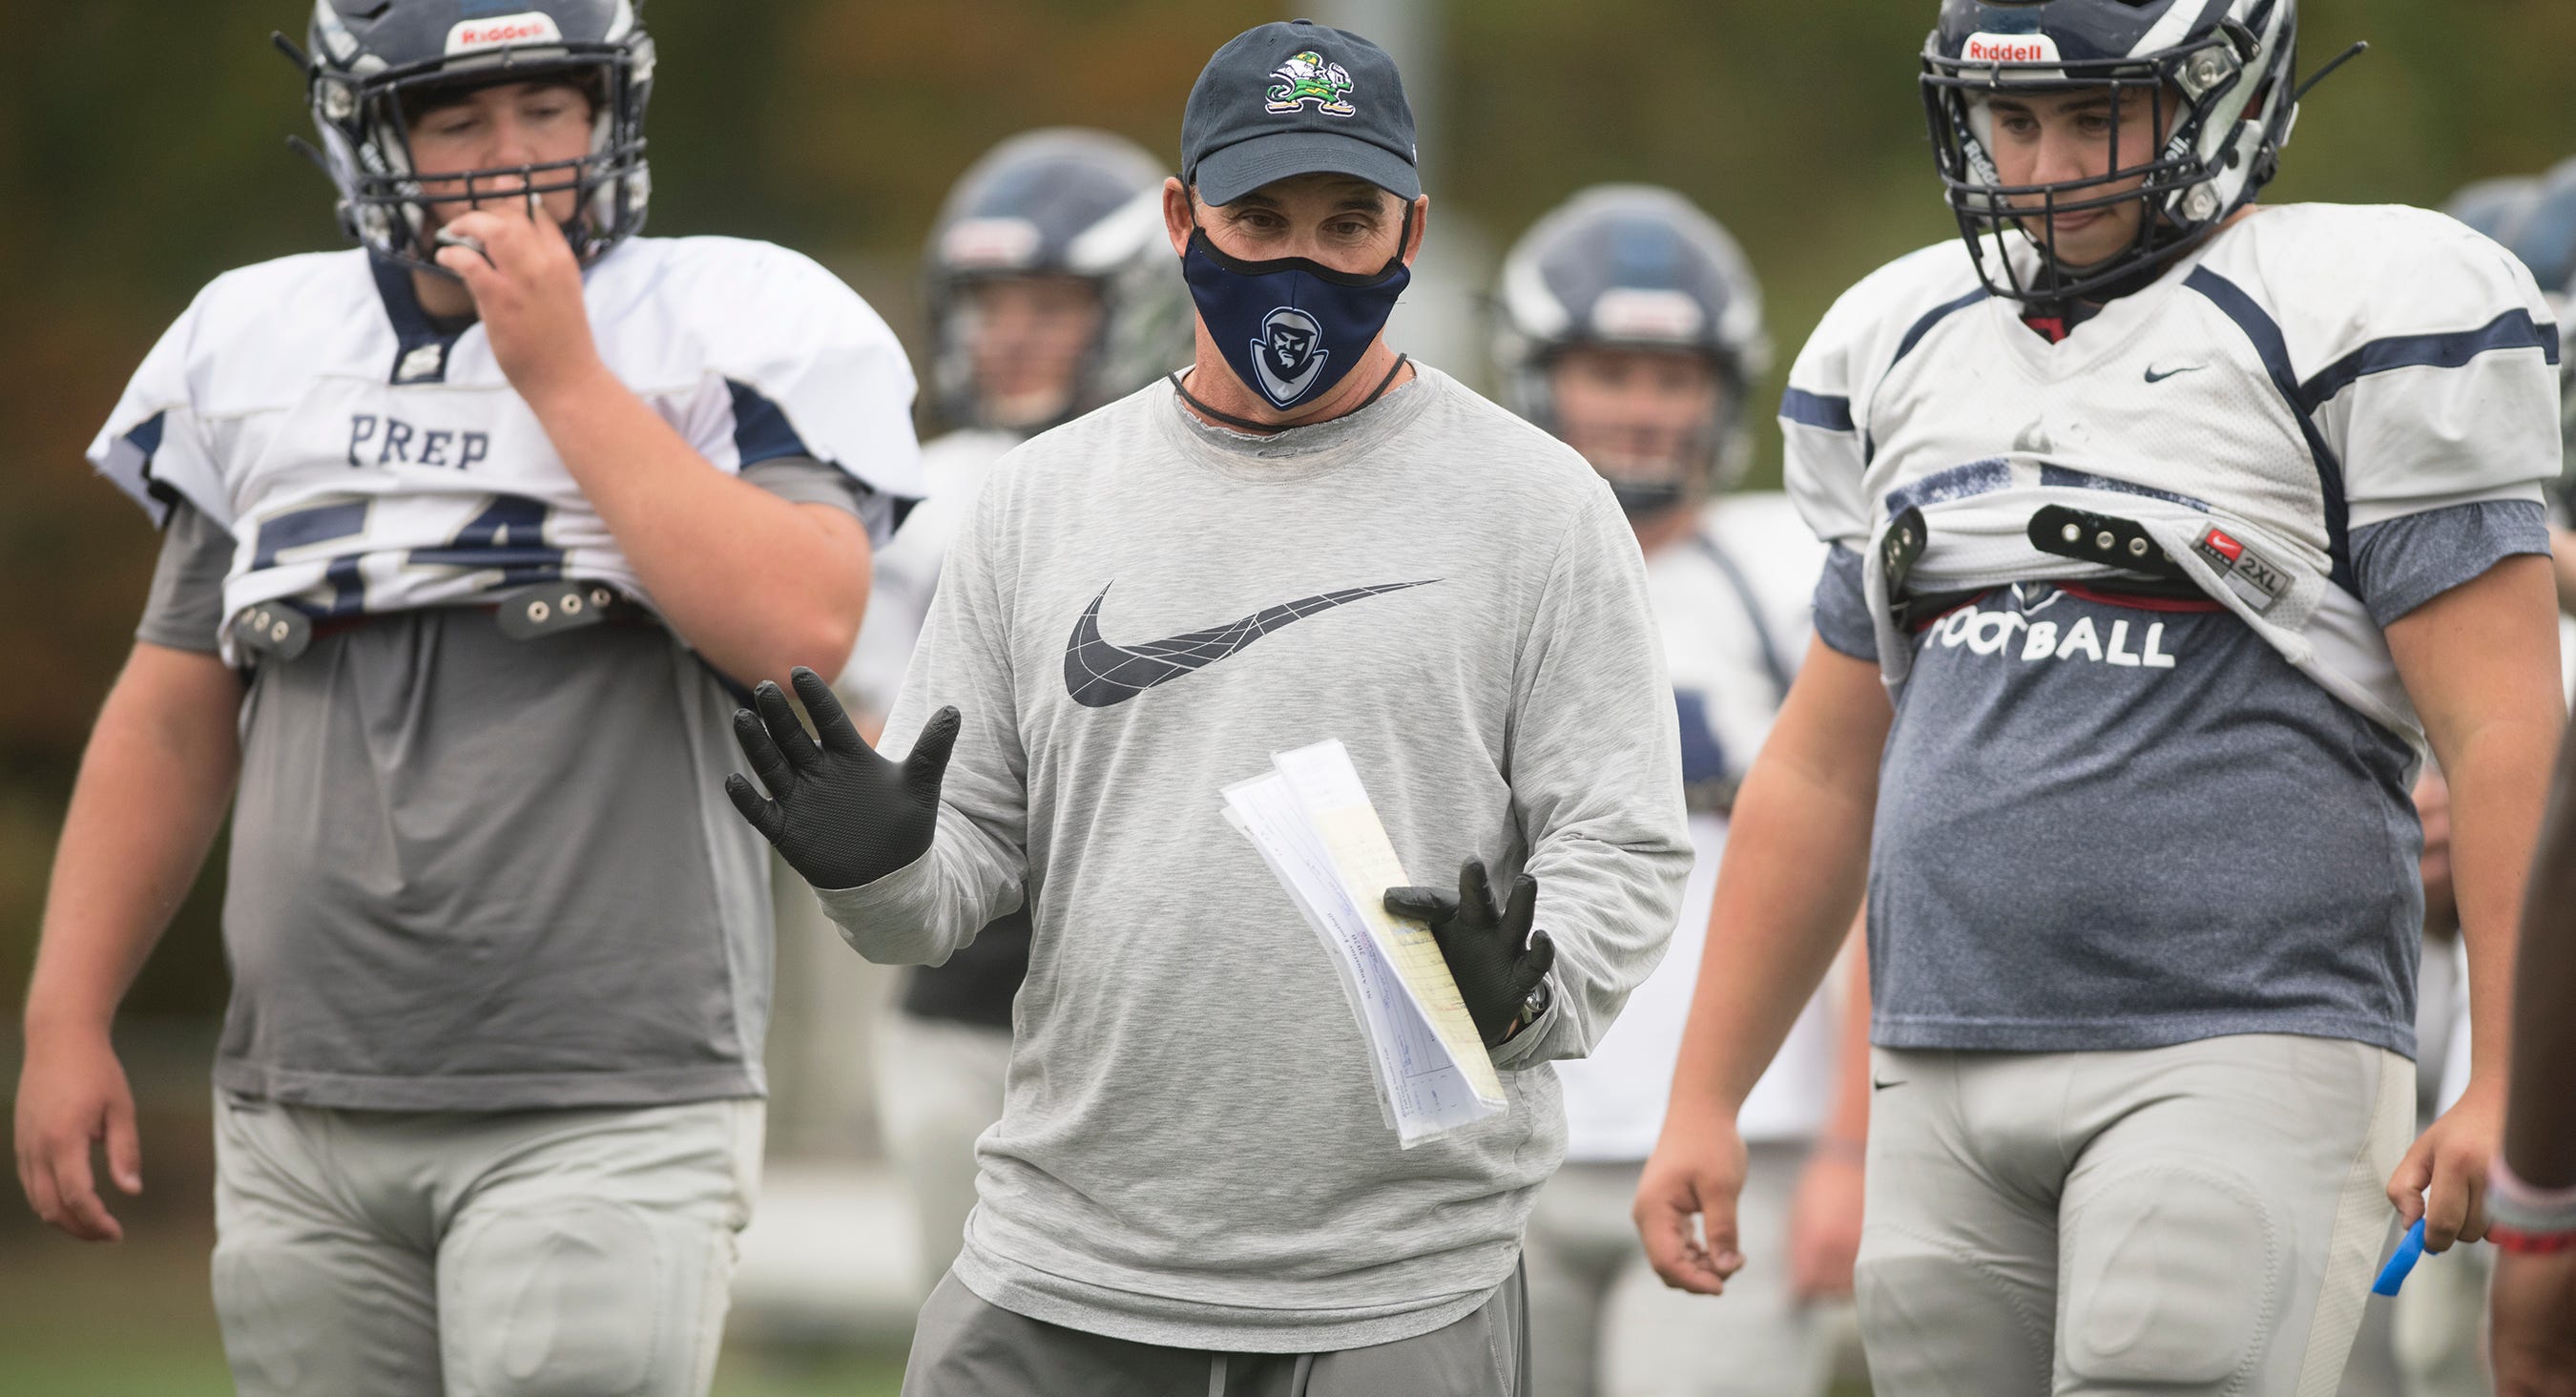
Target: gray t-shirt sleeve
2407,561
922,913
1842,607
185,610
804,480
1595,772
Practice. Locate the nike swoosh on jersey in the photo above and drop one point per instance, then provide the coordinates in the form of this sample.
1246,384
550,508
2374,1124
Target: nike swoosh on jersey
2154,377
1099,674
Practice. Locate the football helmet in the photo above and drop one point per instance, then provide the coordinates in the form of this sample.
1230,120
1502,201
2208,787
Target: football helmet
2216,73
371,63
1062,201
1634,266
2535,219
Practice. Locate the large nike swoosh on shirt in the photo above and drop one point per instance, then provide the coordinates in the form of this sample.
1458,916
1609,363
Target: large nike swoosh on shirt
1099,674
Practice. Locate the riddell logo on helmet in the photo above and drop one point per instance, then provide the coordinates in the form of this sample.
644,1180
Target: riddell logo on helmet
2010,48
533,27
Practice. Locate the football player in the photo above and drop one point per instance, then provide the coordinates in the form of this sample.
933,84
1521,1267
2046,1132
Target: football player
2536,219
1631,326
469,532
2169,532
1051,292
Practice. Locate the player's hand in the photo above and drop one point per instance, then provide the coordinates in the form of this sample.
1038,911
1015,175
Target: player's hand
1685,1209
841,815
1493,954
72,1098
526,285
2533,1308
2443,1178
1824,1223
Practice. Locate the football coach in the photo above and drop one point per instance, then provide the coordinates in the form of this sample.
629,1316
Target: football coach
1304,536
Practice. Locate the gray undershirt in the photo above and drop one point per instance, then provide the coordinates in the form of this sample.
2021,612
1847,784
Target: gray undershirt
2074,852
470,872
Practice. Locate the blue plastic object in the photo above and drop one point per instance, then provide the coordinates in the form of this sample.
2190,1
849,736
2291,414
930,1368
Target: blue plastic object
2410,1249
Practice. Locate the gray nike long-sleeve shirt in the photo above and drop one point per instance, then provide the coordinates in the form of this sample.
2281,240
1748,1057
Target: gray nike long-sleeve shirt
1142,611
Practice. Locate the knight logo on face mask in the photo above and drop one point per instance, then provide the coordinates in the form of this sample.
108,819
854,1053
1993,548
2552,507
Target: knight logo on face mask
1288,355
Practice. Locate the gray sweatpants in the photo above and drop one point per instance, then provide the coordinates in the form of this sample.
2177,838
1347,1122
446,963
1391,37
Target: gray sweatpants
450,1254
2199,1219
964,1346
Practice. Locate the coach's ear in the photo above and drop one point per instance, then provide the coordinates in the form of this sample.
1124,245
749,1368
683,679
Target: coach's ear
1179,219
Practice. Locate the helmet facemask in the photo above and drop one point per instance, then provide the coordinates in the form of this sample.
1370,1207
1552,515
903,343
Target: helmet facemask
1634,268
971,326
1056,203
1656,458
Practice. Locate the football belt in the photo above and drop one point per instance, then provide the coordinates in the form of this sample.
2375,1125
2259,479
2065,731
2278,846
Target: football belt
281,630
2079,534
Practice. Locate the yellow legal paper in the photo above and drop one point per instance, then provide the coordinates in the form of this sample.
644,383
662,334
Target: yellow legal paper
1364,858
1312,824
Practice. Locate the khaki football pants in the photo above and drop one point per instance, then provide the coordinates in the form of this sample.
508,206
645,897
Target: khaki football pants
452,1254
2199,1219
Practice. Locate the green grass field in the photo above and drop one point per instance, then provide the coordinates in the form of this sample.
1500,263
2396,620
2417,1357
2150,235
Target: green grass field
133,1320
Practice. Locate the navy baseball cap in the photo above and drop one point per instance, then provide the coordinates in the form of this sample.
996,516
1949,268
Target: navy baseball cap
1297,98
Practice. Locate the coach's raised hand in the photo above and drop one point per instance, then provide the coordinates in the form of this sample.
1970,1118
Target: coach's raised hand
841,815
1497,960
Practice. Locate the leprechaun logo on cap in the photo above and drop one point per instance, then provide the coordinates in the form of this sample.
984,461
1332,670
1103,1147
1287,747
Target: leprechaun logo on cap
1306,77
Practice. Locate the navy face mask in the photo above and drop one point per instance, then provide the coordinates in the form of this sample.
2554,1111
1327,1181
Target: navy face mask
1291,327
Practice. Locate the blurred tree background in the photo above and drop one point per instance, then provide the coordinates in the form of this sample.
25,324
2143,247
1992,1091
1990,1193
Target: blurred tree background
141,153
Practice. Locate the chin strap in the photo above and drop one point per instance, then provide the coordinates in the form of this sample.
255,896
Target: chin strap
1268,429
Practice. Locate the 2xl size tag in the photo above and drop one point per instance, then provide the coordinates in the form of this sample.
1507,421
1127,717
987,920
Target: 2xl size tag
2249,575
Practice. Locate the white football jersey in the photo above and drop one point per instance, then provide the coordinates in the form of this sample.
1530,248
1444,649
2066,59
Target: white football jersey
953,468
2312,370
364,462
1732,604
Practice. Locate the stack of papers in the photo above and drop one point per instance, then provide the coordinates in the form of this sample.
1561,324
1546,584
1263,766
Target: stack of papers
1311,820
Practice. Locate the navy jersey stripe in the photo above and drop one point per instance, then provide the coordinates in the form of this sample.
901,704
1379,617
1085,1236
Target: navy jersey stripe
146,438
1934,317
1956,483
2265,334
2069,477
760,431
413,329
2515,329
1816,410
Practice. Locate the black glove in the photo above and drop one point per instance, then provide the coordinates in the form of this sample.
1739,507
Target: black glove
1483,944
843,816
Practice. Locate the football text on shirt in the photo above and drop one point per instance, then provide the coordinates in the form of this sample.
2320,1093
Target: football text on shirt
1995,632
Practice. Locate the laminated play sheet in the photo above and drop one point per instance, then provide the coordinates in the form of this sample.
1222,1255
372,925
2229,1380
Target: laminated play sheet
1312,822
